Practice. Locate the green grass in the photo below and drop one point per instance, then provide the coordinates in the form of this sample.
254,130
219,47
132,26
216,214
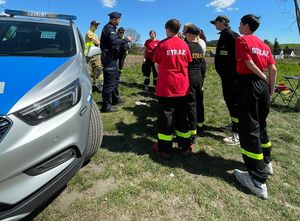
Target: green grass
125,181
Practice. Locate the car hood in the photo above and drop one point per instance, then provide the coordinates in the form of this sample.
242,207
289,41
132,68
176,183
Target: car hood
19,75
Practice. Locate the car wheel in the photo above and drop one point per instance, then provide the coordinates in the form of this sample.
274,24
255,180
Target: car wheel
95,132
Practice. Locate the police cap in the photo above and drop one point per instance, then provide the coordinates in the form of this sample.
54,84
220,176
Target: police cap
220,18
115,15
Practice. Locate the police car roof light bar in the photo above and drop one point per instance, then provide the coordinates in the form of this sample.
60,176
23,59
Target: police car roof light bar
39,14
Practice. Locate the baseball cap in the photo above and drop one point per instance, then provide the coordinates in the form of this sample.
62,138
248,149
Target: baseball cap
220,18
115,15
121,30
94,23
192,29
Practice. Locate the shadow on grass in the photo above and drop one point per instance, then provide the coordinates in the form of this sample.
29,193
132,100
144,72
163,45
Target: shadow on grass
138,138
283,108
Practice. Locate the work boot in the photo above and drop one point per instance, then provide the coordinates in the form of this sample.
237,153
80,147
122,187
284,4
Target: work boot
258,188
119,101
200,132
269,168
110,110
232,140
161,154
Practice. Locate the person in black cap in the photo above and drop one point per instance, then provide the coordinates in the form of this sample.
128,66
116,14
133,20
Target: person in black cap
225,64
195,103
109,44
91,39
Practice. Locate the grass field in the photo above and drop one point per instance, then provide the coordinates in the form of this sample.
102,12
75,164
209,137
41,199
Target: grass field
126,181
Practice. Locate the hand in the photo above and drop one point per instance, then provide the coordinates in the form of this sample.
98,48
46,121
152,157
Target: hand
129,38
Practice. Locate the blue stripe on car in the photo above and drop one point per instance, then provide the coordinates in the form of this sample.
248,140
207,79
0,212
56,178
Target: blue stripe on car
20,74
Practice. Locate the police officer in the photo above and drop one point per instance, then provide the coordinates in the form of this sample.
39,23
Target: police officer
109,44
225,65
91,39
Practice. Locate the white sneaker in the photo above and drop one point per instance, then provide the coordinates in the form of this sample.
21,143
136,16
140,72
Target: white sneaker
232,140
259,189
269,168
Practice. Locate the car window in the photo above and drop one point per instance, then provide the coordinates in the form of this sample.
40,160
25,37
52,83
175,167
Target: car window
36,39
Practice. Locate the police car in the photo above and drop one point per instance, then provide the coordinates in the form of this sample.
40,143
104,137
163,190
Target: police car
49,124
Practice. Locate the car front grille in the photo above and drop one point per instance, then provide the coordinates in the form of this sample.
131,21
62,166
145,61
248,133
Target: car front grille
5,125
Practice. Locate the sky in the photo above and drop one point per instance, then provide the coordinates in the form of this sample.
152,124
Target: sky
277,16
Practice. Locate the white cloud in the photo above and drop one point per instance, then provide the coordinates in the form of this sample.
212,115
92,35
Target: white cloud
2,2
220,5
108,3
232,9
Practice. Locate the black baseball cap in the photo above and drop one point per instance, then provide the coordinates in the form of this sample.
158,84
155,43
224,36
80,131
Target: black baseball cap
115,15
220,18
94,23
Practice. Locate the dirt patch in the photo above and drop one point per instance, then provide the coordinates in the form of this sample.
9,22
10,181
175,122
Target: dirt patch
67,198
132,60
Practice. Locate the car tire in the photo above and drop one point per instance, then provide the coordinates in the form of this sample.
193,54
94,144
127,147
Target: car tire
95,135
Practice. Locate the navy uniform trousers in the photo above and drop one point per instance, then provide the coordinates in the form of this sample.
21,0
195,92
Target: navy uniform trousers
254,105
110,93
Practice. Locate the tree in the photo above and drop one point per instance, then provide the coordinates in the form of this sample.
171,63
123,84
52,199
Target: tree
297,12
136,45
276,48
268,43
136,37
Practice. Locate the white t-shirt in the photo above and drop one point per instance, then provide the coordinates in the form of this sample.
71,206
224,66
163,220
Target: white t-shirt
203,45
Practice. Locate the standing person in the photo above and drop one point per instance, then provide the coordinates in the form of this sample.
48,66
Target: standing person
91,39
195,104
254,57
123,51
200,122
109,44
148,65
225,64
201,40
171,58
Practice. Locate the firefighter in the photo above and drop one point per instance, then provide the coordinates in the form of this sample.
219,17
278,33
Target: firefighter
171,58
195,104
225,64
91,39
254,58
199,96
148,65
109,45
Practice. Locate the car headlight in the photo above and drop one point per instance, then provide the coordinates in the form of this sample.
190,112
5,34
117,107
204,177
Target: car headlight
52,105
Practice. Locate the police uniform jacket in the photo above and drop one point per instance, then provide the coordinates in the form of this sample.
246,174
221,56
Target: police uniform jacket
225,60
110,42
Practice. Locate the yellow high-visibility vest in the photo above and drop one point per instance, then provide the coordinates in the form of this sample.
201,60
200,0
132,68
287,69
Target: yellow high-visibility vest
88,42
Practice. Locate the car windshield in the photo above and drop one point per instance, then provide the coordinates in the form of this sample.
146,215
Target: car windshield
36,39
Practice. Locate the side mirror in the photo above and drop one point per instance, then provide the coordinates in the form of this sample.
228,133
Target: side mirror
92,51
